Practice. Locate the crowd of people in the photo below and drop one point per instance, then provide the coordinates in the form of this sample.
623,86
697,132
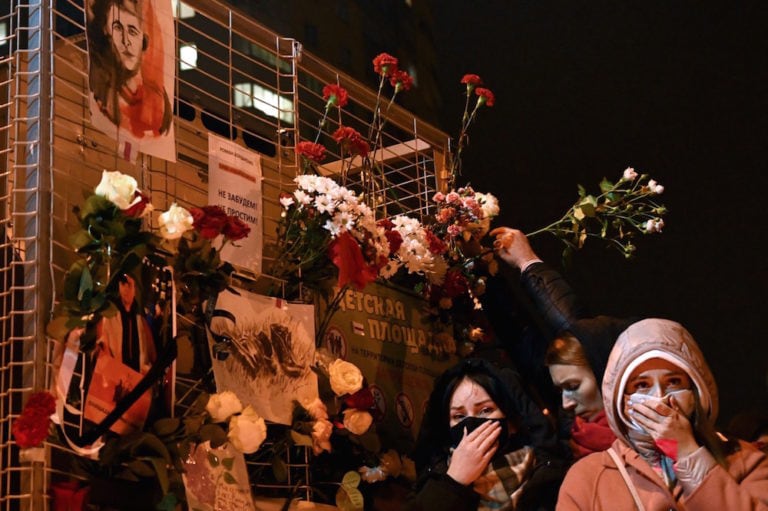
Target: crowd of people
638,408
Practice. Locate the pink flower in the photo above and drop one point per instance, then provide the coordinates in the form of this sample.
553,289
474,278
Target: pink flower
439,197
453,197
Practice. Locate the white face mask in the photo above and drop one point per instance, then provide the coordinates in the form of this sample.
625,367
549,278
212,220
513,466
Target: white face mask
684,399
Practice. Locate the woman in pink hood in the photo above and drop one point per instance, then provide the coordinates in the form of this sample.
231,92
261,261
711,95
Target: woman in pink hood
661,402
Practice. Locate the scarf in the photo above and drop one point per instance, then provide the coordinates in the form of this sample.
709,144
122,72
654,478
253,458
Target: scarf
503,481
590,436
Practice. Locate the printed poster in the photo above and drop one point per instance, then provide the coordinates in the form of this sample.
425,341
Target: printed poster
131,74
234,183
387,333
217,479
263,349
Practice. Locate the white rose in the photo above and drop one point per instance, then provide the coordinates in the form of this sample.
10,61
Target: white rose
489,204
346,378
247,431
321,436
175,222
223,405
117,188
357,421
630,174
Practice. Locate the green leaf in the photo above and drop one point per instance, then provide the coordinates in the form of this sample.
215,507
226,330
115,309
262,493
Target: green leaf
229,478
141,468
166,426
213,433
228,463
605,185
349,499
351,479
300,439
582,191
279,469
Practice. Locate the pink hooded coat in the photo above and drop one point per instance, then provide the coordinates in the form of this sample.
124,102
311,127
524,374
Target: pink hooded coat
595,483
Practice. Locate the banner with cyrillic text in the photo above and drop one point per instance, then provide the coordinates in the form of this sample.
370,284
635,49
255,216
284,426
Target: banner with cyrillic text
387,333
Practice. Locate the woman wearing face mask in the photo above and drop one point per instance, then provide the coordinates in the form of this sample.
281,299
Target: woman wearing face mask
661,402
484,445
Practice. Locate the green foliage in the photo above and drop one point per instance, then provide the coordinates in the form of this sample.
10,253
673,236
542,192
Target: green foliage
617,215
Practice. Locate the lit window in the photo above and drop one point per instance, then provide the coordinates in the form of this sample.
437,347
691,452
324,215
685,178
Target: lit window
3,33
251,95
182,10
187,57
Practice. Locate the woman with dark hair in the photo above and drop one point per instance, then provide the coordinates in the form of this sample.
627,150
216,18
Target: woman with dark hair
484,444
661,401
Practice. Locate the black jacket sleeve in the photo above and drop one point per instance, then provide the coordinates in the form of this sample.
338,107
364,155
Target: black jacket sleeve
552,296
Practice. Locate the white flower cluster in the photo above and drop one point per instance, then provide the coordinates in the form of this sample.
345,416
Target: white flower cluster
341,209
414,253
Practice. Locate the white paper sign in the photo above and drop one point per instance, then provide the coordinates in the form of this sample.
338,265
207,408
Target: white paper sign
234,183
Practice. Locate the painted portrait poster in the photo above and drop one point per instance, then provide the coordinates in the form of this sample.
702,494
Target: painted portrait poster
263,349
131,74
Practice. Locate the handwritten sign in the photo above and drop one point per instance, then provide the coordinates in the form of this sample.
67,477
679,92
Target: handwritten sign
234,183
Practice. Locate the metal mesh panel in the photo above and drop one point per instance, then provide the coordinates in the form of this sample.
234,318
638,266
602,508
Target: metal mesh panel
247,84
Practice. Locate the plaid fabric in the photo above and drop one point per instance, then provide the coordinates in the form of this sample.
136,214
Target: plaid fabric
504,479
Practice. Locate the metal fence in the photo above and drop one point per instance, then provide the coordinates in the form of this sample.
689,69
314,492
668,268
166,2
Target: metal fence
235,78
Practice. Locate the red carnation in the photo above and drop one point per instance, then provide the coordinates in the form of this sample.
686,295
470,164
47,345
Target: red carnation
385,64
436,245
351,141
360,400
485,96
311,151
455,284
401,80
472,80
31,428
335,95
235,229
209,221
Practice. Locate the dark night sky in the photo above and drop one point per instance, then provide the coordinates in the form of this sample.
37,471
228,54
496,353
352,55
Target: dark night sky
675,89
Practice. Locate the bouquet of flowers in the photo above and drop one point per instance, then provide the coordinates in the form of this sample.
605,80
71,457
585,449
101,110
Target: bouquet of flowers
323,226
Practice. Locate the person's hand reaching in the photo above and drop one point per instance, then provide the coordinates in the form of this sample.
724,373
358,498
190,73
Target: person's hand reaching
512,246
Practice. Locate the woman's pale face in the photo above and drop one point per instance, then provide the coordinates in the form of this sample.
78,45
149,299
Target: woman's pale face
578,385
657,377
471,400
127,36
